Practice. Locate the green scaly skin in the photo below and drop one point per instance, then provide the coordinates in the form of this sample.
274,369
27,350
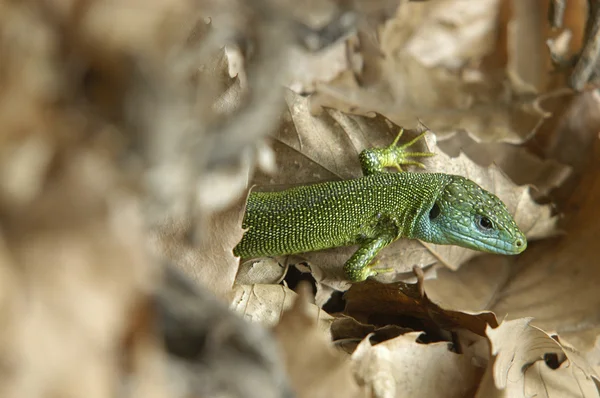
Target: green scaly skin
377,209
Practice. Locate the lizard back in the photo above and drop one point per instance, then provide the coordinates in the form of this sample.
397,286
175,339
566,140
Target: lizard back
333,214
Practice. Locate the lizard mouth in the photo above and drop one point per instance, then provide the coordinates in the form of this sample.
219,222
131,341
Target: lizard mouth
491,245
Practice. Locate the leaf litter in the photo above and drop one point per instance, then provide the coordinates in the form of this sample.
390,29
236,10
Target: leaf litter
178,124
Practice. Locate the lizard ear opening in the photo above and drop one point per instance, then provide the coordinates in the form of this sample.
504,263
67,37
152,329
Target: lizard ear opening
434,212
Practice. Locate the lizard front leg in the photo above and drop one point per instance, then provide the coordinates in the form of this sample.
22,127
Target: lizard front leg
374,160
360,266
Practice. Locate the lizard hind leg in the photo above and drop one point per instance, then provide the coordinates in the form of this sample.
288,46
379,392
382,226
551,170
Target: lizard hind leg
374,160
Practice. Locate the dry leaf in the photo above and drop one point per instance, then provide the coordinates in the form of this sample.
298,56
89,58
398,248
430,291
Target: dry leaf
347,332
376,303
264,271
520,165
265,304
401,367
519,367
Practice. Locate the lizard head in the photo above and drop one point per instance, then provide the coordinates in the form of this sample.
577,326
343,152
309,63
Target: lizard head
466,215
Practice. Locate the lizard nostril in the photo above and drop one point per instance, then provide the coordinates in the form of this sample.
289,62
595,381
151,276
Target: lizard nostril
519,243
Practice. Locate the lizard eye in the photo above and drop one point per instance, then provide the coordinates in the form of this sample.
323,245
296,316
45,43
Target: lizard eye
434,212
485,223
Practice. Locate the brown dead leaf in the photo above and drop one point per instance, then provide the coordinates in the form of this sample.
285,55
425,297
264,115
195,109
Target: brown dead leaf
401,367
519,368
375,303
347,333
315,368
474,287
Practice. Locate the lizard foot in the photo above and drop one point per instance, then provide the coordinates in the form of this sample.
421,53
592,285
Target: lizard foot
369,270
376,159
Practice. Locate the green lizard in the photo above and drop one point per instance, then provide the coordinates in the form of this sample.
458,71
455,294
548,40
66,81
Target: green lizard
377,209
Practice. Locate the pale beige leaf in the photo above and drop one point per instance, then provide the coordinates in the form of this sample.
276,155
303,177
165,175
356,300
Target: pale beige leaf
261,303
265,304
265,271
519,368
474,287
401,367
520,165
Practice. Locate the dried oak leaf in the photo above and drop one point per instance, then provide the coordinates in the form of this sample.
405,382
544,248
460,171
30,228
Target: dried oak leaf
204,256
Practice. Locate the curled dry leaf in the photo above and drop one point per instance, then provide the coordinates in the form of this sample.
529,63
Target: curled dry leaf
374,302
529,362
347,332
402,367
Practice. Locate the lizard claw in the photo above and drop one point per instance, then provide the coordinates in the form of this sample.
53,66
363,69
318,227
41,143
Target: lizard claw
371,271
